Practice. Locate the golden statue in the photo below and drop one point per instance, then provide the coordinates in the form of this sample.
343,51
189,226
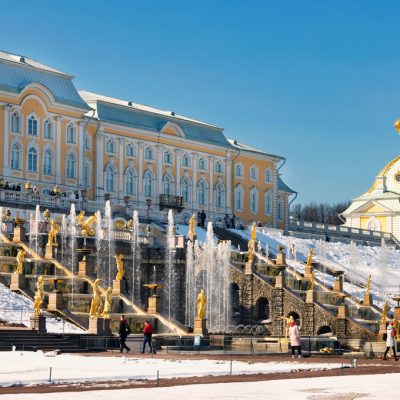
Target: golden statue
80,217
312,280
309,258
52,240
396,329
120,267
107,303
148,230
39,297
385,310
120,224
20,261
368,289
252,243
129,224
287,321
397,125
87,224
201,304
192,227
96,304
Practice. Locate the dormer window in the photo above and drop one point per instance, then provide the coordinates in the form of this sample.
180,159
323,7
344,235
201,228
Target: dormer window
32,126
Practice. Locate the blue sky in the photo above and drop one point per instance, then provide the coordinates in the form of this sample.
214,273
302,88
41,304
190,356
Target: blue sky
313,81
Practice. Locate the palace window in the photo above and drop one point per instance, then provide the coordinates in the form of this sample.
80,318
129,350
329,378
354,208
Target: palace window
129,150
110,146
268,175
15,123
168,185
202,193
87,141
280,208
16,156
239,197
238,170
86,175
48,163
253,173
32,126
268,202
110,178
71,166
186,189
202,164
254,200
32,160
148,153
218,168
148,184
219,196
71,134
168,159
185,160
47,129
130,182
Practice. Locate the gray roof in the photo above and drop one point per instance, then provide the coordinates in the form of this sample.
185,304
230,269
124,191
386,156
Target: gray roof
246,147
282,186
15,75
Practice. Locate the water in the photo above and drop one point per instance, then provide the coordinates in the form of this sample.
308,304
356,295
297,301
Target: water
98,238
108,229
170,264
64,234
135,248
72,232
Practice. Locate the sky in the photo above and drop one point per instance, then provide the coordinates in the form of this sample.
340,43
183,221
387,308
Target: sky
312,81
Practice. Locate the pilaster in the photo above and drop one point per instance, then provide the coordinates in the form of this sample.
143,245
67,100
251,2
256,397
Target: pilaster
121,189
159,177
178,153
81,144
194,182
57,125
228,172
6,150
140,173
100,167
211,191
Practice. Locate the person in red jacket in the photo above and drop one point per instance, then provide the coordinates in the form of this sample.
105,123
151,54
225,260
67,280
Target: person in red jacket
147,335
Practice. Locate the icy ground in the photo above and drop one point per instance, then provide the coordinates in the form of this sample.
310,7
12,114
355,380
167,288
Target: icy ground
18,309
357,262
329,388
33,368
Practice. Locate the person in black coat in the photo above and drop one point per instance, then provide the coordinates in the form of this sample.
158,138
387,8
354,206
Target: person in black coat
124,331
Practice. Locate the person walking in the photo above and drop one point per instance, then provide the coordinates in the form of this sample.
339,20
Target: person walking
227,221
295,339
124,331
147,337
390,340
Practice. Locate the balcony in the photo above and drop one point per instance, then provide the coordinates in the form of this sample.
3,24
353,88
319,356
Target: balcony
173,202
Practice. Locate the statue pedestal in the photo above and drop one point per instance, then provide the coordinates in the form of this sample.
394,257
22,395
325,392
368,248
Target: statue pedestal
152,303
200,326
280,280
367,300
107,327
50,252
19,234
38,323
281,259
308,270
338,285
17,281
118,287
82,268
96,326
310,296
249,268
55,301
342,311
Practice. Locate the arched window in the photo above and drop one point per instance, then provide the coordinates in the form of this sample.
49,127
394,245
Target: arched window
268,202
238,170
263,309
218,168
254,200
71,166
129,152
168,185
148,153
148,184
130,182
71,134
15,123
110,178
47,129
86,175
110,146
87,141
32,160
48,163
202,193
202,164
185,187
268,175
168,157
253,173
16,156
32,126
280,208
239,198
219,196
186,160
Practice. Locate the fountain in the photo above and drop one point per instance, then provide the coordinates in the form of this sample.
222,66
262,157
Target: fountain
72,241
170,264
135,249
108,229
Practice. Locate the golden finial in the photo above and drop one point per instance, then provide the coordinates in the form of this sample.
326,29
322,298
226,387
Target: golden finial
385,310
397,125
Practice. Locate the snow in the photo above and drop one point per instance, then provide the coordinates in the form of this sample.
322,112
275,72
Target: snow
357,262
18,309
32,368
200,232
335,387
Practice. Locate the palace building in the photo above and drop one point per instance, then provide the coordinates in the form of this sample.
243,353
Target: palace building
95,148
379,208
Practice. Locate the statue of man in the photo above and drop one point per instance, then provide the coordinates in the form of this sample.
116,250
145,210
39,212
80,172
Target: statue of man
120,267
107,303
95,305
52,240
201,304
192,227
310,258
39,297
20,261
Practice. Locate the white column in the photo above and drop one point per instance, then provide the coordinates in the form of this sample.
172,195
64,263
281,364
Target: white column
211,188
6,150
140,173
81,148
275,195
159,178
121,167
57,136
194,182
178,171
100,167
228,174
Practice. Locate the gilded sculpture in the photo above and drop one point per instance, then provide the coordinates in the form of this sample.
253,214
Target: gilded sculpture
192,227
252,243
368,288
52,240
287,321
107,303
20,261
385,310
96,304
201,304
39,297
310,258
120,267
87,224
